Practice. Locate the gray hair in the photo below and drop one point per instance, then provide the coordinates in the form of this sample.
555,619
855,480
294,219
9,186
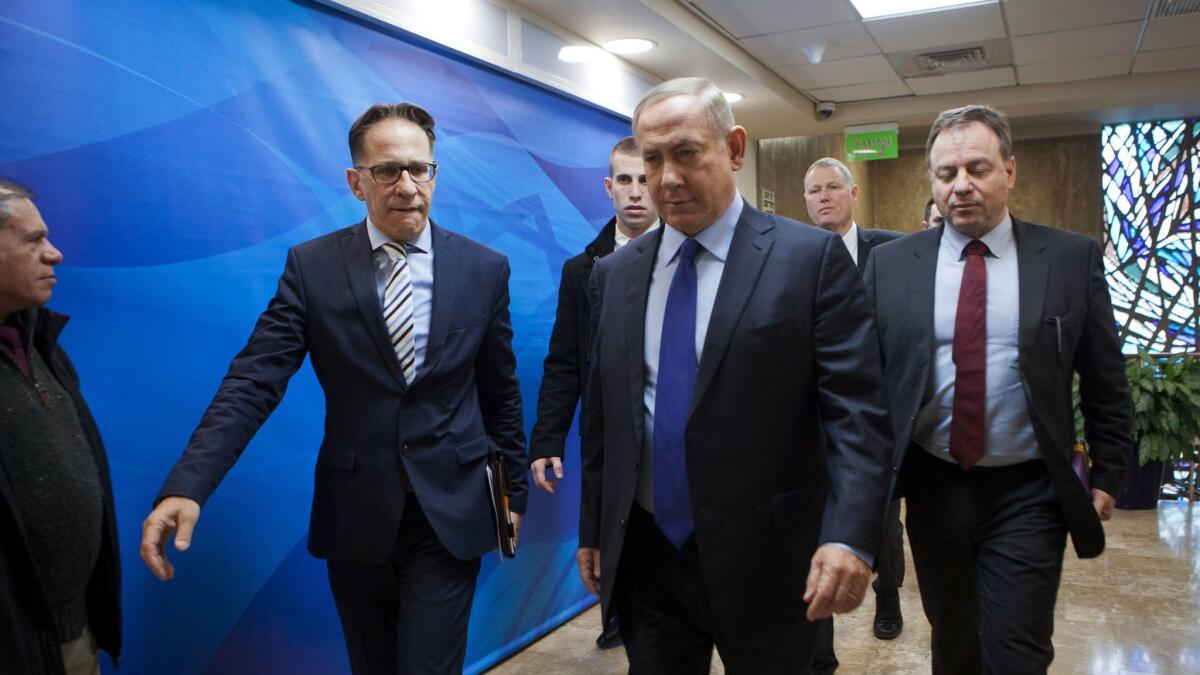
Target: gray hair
836,165
11,191
716,108
968,114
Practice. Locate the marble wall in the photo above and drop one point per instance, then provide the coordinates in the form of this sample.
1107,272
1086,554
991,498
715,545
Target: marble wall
1058,182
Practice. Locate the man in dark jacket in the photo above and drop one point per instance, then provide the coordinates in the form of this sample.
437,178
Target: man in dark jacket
59,577
567,362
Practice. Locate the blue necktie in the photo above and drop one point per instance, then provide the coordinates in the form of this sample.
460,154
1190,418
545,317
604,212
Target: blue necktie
672,398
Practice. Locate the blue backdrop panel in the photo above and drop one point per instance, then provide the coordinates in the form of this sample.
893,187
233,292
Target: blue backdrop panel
178,149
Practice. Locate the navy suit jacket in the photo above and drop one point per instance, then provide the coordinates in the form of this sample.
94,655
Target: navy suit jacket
1065,326
787,439
382,436
869,239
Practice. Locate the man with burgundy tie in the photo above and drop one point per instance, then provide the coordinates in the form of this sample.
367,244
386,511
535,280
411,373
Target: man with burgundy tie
735,446
982,322
408,330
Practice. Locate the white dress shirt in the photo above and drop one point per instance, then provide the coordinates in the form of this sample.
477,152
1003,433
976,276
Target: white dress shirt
620,238
420,268
850,239
1009,434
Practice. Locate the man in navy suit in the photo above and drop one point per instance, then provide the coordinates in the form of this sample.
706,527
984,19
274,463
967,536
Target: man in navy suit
408,329
735,446
830,194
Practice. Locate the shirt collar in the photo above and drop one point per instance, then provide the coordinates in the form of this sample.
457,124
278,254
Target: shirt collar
422,244
619,238
715,238
999,241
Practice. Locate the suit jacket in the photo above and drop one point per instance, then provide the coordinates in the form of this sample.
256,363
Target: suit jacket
787,361
1061,277
566,366
382,436
869,239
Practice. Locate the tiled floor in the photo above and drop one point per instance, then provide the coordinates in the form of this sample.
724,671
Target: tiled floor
1134,610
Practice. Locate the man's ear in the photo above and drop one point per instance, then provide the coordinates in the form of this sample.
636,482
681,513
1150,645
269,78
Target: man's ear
736,142
352,179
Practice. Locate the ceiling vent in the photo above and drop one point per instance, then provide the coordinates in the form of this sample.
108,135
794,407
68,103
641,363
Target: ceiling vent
966,58
953,59
1164,9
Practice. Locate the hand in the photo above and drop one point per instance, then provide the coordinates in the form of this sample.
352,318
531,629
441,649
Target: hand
589,568
173,514
1103,503
516,523
539,472
837,582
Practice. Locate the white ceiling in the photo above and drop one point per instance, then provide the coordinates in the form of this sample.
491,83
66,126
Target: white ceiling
1062,62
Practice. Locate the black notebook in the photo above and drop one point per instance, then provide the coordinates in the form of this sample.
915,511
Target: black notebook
497,480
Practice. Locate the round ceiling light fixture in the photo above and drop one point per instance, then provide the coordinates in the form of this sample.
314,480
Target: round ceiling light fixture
733,96
581,54
630,45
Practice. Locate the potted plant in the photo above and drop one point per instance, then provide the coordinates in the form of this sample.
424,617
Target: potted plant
1166,422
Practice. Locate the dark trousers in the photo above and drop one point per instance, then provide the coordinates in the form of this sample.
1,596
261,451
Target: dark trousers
891,554
410,614
668,625
824,659
988,548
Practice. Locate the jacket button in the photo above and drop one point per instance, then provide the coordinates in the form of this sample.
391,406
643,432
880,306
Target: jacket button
622,522
636,465
404,450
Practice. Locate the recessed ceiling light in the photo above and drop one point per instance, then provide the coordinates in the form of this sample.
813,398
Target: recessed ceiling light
875,9
581,54
630,45
733,96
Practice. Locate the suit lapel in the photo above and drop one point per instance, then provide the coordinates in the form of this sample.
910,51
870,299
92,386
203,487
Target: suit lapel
640,270
864,249
922,292
1033,268
360,269
743,266
445,290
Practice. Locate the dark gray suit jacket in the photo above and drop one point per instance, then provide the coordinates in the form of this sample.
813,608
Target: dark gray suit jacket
1061,276
788,361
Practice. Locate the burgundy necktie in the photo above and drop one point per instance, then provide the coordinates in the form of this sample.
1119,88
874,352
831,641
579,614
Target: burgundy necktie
11,338
967,424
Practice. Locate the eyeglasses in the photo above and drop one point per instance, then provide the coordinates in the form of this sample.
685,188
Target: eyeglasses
389,173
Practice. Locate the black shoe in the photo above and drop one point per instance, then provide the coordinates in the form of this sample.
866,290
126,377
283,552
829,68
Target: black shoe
609,637
888,620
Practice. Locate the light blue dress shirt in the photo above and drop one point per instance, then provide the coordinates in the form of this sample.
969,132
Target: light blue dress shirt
1009,434
420,268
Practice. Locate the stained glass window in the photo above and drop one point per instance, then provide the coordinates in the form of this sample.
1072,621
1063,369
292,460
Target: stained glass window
1151,189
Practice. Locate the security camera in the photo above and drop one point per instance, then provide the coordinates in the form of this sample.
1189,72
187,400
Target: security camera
825,109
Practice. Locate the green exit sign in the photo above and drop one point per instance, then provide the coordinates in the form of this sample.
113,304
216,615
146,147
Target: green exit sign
873,141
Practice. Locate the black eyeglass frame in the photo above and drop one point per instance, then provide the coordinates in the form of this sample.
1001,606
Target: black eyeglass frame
404,168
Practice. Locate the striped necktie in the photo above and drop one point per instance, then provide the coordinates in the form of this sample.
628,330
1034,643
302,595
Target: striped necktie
398,310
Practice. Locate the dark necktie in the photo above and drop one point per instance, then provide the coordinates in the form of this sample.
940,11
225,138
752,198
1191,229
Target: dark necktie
968,427
11,338
672,398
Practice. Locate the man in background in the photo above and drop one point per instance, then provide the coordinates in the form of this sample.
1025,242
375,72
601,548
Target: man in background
566,365
831,195
59,575
933,217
